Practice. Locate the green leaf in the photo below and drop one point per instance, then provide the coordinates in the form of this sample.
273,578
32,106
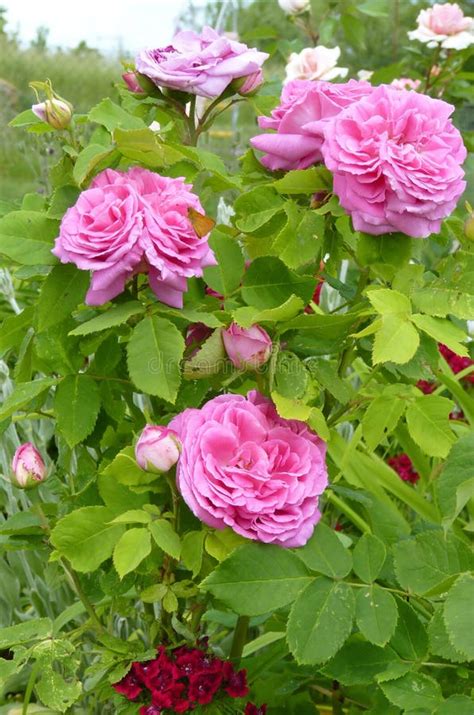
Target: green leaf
261,642
251,591
386,301
455,485
210,359
430,560
439,640
32,630
443,331
300,240
442,300
62,291
77,405
396,341
327,376
86,537
24,394
304,181
112,116
155,351
382,416
459,615
429,426
291,376
227,275
325,554
133,516
295,410
250,214
320,621
192,550
116,315
62,198
27,237
376,614
130,550
56,692
14,328
220,543
248,316
413,690
358,662
373,8
369,557
89,159
166,537
268,283
410,639
125,470
455,705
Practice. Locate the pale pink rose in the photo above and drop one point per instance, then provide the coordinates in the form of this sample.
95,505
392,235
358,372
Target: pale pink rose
444,25
28,466
247,348
405,83
294,7
396,160
315,63
134,222
203,64
55,112
300,120
158,449
244,467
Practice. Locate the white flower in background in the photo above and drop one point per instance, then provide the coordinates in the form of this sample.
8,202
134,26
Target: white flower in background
315,63
294,7
224,212
155,126
445,25
364,75
406,83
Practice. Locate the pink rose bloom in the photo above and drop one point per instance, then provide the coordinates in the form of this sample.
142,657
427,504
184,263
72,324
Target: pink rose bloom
315,63
396,160
300,120
405,83
134,222
247,348
244,467
157,449
28,466
203,64
444,25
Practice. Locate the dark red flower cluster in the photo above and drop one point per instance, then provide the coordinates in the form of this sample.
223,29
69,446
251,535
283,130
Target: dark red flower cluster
426,386
181,679
251,709
403,466
456,362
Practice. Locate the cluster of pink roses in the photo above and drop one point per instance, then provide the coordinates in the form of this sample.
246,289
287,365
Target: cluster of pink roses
395,155
134,222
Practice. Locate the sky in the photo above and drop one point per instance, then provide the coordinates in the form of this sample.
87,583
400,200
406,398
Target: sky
105,24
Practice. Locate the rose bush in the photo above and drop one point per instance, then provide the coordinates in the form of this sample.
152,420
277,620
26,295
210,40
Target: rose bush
241,392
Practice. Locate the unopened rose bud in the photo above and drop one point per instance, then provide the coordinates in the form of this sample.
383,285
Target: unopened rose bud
294,7
247,347
28,467
251,84
130,79
55,112
158,449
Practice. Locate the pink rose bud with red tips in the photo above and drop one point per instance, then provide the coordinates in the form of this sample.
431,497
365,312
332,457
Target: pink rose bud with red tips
130,79
55,112
158,449
247,347
251,84
28,467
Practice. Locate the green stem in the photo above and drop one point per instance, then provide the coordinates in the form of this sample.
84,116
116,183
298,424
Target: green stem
349,512
240,637
76,584
337,699
29,688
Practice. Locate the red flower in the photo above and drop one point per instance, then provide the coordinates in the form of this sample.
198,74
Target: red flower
203,687
426,386
457,414
235,682
129,686
403,465
149,710
168,698
160,674
456,362
251,709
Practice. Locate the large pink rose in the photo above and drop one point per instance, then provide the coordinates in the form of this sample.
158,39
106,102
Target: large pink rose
300,120
396,159
242,466
203,64
134,222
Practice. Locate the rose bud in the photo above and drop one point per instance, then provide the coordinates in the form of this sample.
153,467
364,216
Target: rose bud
28,467
130,79
251,84
247,347
55,112
294,7
158,449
